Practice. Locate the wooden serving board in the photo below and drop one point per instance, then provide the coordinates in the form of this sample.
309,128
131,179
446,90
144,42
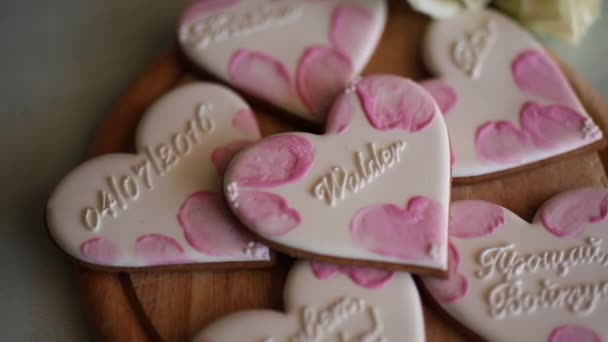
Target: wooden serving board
174,306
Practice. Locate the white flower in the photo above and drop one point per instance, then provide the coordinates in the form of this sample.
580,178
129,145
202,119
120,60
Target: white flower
446,8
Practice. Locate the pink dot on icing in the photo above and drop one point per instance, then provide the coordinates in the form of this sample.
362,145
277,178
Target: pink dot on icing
210,227
245,121
574,333
322,74
414,233
568,213
444,94
158,249
267,214
392,102
205,7
548,126
261,75
222,155
452,289
535,73
474,219
100,251
341,114
351,29
274,161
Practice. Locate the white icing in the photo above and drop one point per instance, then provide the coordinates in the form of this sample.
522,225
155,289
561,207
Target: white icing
284,21
493,95
333,309
523,281
591,131
470,51
270,14
122,197
158,161
417,164
318,325
338,182
232,194
509,299
508,262
256,250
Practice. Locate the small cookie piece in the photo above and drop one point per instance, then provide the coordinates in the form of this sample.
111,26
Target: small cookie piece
163,205
373,191
297,55
507,103
331,303
514,281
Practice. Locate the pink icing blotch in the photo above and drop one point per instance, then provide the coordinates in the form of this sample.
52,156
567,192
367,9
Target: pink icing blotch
366,277
274,161
502,142
261,75
415,233
535,73
245,121
542,128
205,7
157,249
100,251
351,28
266,214
392,102
222,155
444,94
452,289
549,125
210,227
574,333
322,74
474,219
567,214
341,114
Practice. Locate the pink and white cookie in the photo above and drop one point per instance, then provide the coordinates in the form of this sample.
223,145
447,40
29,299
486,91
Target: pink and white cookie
507,103
328,303
373,191
162,206
514,281
297,55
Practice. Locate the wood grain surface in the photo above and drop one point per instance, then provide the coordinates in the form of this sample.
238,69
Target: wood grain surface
174,306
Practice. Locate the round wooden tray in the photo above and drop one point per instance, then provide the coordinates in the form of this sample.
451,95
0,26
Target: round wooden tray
174,306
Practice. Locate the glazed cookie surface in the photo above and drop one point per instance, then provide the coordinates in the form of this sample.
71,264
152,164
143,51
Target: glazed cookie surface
507,103
510,280
373,191
331,303
163,205
297,55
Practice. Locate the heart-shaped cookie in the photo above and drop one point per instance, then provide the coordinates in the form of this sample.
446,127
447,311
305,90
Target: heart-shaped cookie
297,55
329,303
162,206
515,281
373,191
507,103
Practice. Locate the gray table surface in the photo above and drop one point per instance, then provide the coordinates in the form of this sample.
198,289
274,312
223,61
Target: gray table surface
63,65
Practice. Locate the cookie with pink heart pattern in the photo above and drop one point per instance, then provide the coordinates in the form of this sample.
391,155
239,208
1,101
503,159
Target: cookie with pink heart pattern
297,55
162,206
545,281
507,103
325,302
372,191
